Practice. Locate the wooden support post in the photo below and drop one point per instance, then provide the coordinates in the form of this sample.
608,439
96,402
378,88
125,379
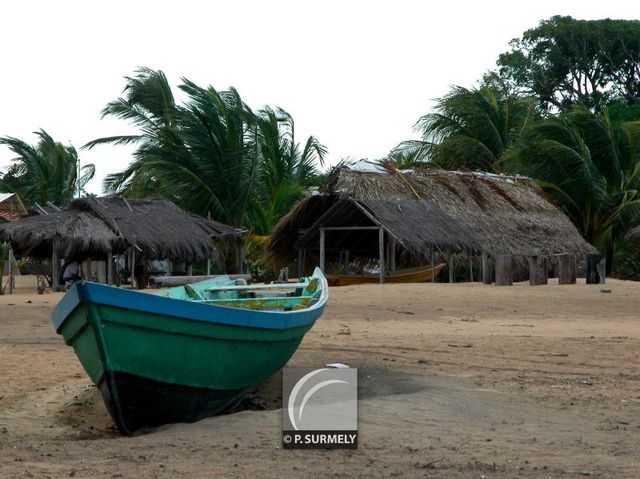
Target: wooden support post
55,275
12,270
102,271
189,269
132,267
392,255
601,268
433,276
595,265
381,250
109,267
241,256
347,260
566,269
451,273
538,270
471,268
88,274
322,234
486,268
299,263
504,270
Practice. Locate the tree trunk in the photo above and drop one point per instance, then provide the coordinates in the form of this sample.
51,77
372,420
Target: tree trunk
609,258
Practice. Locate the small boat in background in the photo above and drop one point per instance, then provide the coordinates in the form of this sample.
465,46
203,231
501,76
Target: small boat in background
187,352
419,274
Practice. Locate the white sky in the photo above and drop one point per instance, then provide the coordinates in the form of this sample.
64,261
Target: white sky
356,74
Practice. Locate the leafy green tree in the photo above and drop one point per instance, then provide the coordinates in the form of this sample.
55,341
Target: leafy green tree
619,112
45,172
590,166
469,128
564,62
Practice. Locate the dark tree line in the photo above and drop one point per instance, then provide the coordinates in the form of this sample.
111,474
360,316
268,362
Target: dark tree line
564,62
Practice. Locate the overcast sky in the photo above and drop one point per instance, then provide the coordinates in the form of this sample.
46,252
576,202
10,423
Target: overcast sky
355,74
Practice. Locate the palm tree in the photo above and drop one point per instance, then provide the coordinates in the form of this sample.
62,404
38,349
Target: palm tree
212,154
285,169
590,166
470,128
45,172
201,155
403,158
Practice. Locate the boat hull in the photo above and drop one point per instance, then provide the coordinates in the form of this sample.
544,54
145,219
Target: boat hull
136,403
159,360
413,275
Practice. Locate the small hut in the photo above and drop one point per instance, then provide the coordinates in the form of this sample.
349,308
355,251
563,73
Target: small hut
156,228
497,214
67,233
100,228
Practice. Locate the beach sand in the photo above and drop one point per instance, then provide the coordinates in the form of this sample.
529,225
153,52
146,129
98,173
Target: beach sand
461,380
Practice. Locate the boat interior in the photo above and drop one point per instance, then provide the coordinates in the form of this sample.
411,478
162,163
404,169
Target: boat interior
238,294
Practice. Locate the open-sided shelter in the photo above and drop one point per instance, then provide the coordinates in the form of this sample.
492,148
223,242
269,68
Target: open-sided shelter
495,213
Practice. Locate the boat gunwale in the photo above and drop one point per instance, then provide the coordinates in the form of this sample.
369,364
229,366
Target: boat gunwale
87,292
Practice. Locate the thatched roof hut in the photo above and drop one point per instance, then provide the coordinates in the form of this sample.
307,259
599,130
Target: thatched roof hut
75,234
157,227
416,226
93,227
504,215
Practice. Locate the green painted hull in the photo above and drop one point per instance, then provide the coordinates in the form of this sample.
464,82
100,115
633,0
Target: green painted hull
159,360
212,356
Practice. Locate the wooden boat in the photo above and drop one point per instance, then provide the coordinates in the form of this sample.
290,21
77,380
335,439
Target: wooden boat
187,352
409,275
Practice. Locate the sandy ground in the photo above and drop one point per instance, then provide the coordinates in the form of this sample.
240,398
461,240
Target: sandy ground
460,380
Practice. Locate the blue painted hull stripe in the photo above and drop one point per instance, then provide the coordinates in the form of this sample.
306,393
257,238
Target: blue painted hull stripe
152,304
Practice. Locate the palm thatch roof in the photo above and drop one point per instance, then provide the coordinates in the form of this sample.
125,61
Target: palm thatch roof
93,226
157,227
280,247
217,230
47,209
504,215
79,235
417,226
